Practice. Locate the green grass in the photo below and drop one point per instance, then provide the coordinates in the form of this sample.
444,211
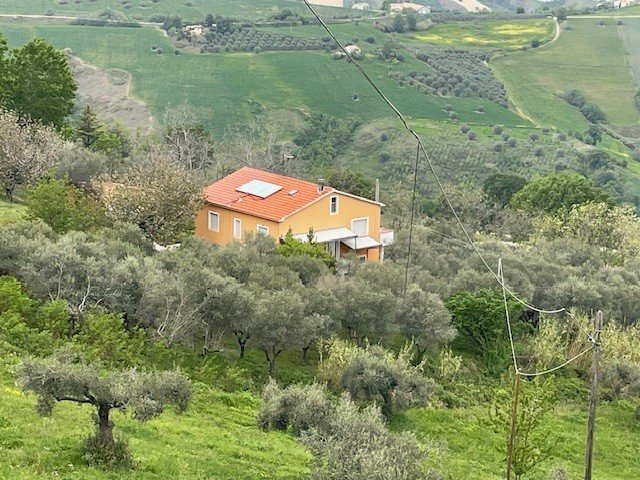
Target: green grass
10,212
473,452
502,34
221,86
216,438
589,58
194,10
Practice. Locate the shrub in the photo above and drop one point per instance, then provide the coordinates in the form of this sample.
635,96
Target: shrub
453,115
375,375
464,128
535,43
533,137
358,446
385,157
497,147
538,152
370,39
472,135
384,137
448,107
512,142
498,129
296,408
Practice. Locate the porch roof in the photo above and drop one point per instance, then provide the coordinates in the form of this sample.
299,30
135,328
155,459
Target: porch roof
358,243
329,235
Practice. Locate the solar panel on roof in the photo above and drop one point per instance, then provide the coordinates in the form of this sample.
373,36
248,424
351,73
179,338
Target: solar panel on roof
259,188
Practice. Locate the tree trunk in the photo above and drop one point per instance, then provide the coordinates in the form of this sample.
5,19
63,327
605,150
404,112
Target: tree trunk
9,193
305,350
105,426
242,344
272,364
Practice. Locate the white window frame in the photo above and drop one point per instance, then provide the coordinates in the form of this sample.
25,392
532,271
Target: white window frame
265,229
337,199
238,234
211,214
359,219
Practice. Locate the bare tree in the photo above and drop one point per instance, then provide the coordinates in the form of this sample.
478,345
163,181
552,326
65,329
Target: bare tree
27,151
156,194
189,143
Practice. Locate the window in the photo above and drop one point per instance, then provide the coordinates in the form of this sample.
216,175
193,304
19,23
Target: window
333,205
262,230
237,228
360,226
214,221
362,258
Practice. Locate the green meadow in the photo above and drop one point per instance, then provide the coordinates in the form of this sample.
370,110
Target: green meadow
193,10
466,449
586,57
224,88
503,34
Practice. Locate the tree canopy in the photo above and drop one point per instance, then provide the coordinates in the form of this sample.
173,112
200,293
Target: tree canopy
557,193
40,85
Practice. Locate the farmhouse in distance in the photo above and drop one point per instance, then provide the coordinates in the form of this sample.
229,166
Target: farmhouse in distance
254,201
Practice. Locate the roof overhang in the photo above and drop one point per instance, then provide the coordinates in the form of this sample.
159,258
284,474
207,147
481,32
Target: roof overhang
359,243
329,235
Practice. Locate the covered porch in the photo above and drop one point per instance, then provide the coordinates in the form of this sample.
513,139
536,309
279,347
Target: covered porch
342,242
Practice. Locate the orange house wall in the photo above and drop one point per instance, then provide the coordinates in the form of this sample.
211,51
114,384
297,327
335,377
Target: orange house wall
225,235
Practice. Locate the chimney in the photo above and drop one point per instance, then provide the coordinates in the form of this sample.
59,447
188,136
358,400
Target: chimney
321,185
376,196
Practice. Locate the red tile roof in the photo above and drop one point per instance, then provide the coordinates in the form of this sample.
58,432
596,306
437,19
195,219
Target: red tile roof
275,207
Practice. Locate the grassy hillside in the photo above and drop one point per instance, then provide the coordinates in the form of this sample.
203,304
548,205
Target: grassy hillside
216,438
503,34
221,87
467,450
145,9
587,57
10,212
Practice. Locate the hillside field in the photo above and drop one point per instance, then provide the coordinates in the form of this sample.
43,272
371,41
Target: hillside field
503,34
586,57
223,87
195,10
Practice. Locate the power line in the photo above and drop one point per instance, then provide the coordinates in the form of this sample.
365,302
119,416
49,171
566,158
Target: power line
512,343
431,167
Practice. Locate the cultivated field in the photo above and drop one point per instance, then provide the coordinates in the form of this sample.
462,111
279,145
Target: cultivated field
503,34
195,10
587,57
224,87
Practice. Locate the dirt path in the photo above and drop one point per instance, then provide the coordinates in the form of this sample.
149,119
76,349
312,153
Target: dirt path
518,109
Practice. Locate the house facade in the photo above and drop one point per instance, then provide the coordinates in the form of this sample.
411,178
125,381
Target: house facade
258,202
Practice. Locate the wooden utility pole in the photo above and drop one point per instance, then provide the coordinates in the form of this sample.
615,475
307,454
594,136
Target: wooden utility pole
593,399
514,423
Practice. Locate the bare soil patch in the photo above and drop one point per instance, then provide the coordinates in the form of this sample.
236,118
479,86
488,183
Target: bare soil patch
107,91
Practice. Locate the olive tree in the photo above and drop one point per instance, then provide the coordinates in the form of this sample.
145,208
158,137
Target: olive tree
423,317
276,320
65,378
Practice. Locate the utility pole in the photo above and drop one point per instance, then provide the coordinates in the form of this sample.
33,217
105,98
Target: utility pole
593,399
514,423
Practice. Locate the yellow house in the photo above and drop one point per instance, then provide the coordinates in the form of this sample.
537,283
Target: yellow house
251,200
